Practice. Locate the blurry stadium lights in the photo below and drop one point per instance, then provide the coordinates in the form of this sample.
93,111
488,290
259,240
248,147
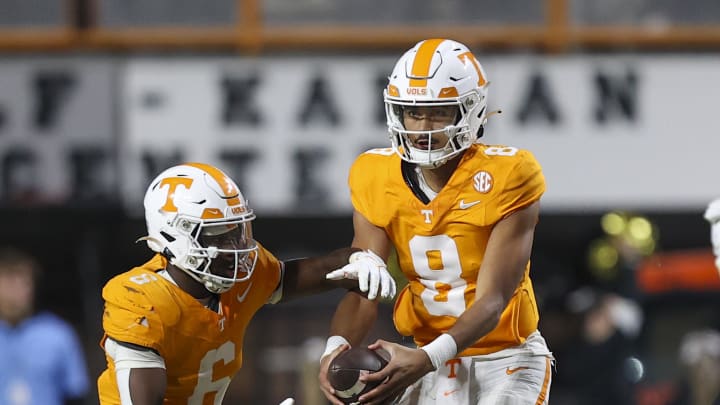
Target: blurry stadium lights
603,259
613,223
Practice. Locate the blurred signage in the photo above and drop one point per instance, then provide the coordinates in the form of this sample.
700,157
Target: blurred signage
286,130
611,132
57,132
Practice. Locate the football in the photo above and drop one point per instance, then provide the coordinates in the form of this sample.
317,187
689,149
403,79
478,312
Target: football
348,366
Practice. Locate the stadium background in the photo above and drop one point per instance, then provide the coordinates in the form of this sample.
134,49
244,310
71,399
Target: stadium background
617,99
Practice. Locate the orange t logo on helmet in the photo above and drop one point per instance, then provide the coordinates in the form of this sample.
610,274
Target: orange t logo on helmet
172,183
228,186
469,57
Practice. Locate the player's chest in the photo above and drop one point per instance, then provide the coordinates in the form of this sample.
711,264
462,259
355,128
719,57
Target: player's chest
451,211
459,204
229,320
441,237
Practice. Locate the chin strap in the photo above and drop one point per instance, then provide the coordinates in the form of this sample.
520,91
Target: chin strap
481,130
408,173
490,114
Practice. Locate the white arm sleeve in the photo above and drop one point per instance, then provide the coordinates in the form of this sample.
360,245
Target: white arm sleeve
127,358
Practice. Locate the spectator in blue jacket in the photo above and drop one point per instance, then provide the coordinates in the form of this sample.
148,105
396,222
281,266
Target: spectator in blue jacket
41,359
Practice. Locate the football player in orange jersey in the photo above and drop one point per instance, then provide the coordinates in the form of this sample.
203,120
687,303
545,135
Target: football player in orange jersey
174,326
461,216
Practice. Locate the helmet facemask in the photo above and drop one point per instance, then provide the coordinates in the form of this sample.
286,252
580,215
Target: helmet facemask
221,253
460,134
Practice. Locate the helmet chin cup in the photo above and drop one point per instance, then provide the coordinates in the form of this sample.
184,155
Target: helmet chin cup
216,287
429,158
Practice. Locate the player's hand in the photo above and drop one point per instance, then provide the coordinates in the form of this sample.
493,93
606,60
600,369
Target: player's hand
370,271
288,401
712,213
325,386
405,367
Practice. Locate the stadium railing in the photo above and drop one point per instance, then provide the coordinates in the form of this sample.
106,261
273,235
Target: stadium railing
255,26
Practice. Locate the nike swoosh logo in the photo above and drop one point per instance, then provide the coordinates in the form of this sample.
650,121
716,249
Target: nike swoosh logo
447,393
464,205
241,298
509,370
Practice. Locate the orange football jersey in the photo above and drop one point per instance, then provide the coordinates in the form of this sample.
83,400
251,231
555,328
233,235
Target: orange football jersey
202,348
440,245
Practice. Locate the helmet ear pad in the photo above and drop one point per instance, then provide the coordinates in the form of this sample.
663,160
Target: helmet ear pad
176,248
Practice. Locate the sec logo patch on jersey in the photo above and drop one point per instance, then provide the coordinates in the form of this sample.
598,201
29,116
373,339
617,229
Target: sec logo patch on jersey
483,182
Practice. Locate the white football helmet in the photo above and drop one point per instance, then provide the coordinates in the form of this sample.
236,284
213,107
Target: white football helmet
196,216
436,72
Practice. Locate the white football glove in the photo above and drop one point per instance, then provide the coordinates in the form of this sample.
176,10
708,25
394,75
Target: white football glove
370,271
289,401
712,215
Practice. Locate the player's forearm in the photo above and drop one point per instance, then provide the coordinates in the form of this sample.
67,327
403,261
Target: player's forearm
354,317
307,276
491,298
502,271
477,321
